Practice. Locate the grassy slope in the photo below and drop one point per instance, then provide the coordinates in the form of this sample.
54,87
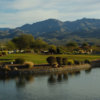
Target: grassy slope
41,59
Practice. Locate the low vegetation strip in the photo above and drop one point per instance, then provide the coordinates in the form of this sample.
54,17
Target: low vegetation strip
41,59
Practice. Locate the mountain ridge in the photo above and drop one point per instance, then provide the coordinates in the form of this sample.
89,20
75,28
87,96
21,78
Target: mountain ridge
84,29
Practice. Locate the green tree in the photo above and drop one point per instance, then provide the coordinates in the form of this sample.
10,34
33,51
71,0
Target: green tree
10,45
39,44
23,41
71,46
59,60
85,46
52,49
51,60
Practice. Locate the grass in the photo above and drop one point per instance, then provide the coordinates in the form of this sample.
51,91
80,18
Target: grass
41,59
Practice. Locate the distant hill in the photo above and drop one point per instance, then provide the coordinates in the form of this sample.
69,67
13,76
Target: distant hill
58,32
4,29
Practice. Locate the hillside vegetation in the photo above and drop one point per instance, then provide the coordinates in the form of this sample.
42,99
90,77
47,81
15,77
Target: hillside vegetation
58,32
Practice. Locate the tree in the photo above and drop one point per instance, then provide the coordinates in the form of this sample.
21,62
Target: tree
86,46
39,44
51,60
65,61
23,41
59,60
71,46
10,45
52,49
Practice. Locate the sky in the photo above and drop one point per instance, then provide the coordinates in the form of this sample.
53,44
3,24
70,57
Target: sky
15,13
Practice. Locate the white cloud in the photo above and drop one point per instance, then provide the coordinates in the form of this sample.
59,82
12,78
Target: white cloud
18,12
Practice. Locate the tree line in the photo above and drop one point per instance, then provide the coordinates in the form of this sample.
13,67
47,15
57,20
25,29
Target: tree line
38,45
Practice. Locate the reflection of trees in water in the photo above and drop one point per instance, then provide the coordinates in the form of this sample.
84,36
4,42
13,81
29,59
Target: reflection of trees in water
88,70
20,82
57,78
74,73
52,79
23,80
65,76
61,77
6,78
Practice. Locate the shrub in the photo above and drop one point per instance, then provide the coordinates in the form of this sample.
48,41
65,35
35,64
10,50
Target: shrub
64,61
51,60
82,62
55,65
6,68
4,53
87,61
19,61
76,62
15,68
70,62
29,64
59,60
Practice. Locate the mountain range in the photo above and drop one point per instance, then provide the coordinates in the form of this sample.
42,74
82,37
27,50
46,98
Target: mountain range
58,32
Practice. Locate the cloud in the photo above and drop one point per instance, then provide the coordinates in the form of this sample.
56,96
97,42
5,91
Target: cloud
18,12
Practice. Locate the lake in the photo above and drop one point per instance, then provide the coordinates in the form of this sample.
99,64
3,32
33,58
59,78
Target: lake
83,85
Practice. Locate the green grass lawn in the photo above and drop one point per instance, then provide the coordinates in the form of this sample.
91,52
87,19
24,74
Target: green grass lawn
41,59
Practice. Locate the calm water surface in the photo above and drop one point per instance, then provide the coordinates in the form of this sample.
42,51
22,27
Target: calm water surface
84,85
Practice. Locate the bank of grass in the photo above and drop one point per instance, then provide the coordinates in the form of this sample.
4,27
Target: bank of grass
41,59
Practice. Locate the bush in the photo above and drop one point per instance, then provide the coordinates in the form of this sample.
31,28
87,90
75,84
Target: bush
29,64
51,60
19,61
6,68
87,61
59,60
55,65
70,62
15,68
82,62
64,60
76,62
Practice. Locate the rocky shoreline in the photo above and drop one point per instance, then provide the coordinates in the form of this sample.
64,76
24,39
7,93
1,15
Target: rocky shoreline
46,70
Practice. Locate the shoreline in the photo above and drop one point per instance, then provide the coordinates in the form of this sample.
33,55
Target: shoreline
47,70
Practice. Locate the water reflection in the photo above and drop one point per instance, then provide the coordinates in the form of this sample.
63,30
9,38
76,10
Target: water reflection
22,80
65,76
52,79
61,77
74,73
88,70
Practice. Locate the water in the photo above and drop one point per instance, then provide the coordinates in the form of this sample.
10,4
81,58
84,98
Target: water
84,85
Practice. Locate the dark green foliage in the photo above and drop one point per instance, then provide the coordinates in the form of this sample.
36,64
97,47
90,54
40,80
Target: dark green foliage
59,50
39,44
52,49
87,61
65,61
23,41
10,45
51,60
59,60
76,62
82,62
70,62
19,61
4,53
